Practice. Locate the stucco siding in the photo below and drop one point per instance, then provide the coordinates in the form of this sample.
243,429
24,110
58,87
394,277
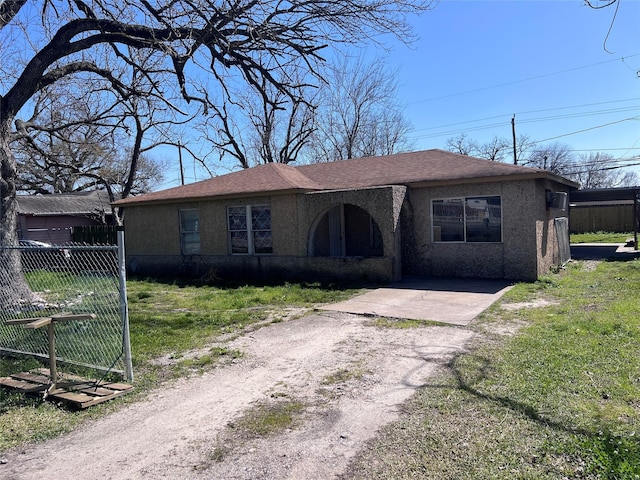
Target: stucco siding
382,203
152,229
468,260
285,226
548,249
519,216
514,257
528,246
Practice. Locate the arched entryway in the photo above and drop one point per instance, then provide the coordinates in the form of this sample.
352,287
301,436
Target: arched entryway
345,230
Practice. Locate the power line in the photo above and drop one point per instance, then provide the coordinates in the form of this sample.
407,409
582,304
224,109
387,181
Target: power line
580,106
540,119
519,114
581,114
537,77
587,129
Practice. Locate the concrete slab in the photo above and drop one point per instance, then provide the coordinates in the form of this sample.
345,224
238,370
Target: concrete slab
603,251
448,300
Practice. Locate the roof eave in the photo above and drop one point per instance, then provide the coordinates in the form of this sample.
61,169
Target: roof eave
496,178
64,214
230,196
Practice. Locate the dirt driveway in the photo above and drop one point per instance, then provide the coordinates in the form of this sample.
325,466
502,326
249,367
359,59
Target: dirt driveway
181,430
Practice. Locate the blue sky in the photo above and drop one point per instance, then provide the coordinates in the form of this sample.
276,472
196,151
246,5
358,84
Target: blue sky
478,63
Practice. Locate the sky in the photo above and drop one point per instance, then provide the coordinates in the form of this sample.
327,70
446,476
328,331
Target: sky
568,73
559,66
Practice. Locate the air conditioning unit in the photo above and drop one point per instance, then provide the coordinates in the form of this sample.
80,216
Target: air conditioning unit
557,200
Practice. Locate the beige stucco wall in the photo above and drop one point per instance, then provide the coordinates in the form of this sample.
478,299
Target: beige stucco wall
548,249
153,237
152,230
155,229
528,248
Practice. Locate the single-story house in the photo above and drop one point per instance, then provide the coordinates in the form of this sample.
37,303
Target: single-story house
433,213
51,218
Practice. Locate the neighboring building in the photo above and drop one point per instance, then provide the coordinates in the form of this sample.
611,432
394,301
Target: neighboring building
431,213
51,218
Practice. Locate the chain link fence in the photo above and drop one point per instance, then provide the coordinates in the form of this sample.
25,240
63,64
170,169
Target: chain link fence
72,280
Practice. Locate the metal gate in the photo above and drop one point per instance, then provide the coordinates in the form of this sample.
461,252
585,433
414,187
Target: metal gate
86,286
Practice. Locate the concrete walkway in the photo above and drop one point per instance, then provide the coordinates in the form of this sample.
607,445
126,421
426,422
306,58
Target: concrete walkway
448,300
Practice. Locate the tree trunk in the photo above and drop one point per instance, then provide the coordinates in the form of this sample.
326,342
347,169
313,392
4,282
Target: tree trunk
14,290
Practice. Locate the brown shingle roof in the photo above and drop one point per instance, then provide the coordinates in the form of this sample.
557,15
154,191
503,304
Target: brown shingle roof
273,177
74,204
428,166
408,168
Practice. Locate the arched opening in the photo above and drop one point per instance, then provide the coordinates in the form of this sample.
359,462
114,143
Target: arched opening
346,231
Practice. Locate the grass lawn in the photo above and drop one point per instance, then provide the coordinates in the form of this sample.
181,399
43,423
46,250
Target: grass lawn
559,398
600,237
549,390
166,320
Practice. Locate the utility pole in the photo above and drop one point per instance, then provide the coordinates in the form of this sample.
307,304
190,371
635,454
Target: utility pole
513,132
180,160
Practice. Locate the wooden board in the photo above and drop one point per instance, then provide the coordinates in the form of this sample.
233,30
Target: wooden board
33,377
87,398
97,391
79,393
22,386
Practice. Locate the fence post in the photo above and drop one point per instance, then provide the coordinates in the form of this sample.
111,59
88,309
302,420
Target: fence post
124,307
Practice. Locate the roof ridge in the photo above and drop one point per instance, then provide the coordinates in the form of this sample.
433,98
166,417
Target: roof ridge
290,169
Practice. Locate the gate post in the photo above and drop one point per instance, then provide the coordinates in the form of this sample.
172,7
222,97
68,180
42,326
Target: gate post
124,307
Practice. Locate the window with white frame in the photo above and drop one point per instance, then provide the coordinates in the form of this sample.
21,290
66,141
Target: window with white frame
249,229
468,219
190,232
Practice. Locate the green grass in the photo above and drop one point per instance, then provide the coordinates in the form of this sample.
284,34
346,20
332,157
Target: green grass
171,318
559,399
268,418
263,419
166,320
600,237
343,375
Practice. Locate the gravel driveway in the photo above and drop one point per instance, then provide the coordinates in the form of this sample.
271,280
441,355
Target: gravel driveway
179,431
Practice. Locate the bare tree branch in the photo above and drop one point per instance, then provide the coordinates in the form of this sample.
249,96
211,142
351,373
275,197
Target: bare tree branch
198,46
8,10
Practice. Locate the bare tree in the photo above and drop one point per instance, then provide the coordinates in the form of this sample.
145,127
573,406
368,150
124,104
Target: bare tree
357,115
69,149
593,170
497,149
462,145
600,170
282,127
79,138
250,128
243,41
352,114
556,157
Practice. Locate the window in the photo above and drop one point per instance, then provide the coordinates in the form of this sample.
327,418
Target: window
448,220
470,219
250,237
189,232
